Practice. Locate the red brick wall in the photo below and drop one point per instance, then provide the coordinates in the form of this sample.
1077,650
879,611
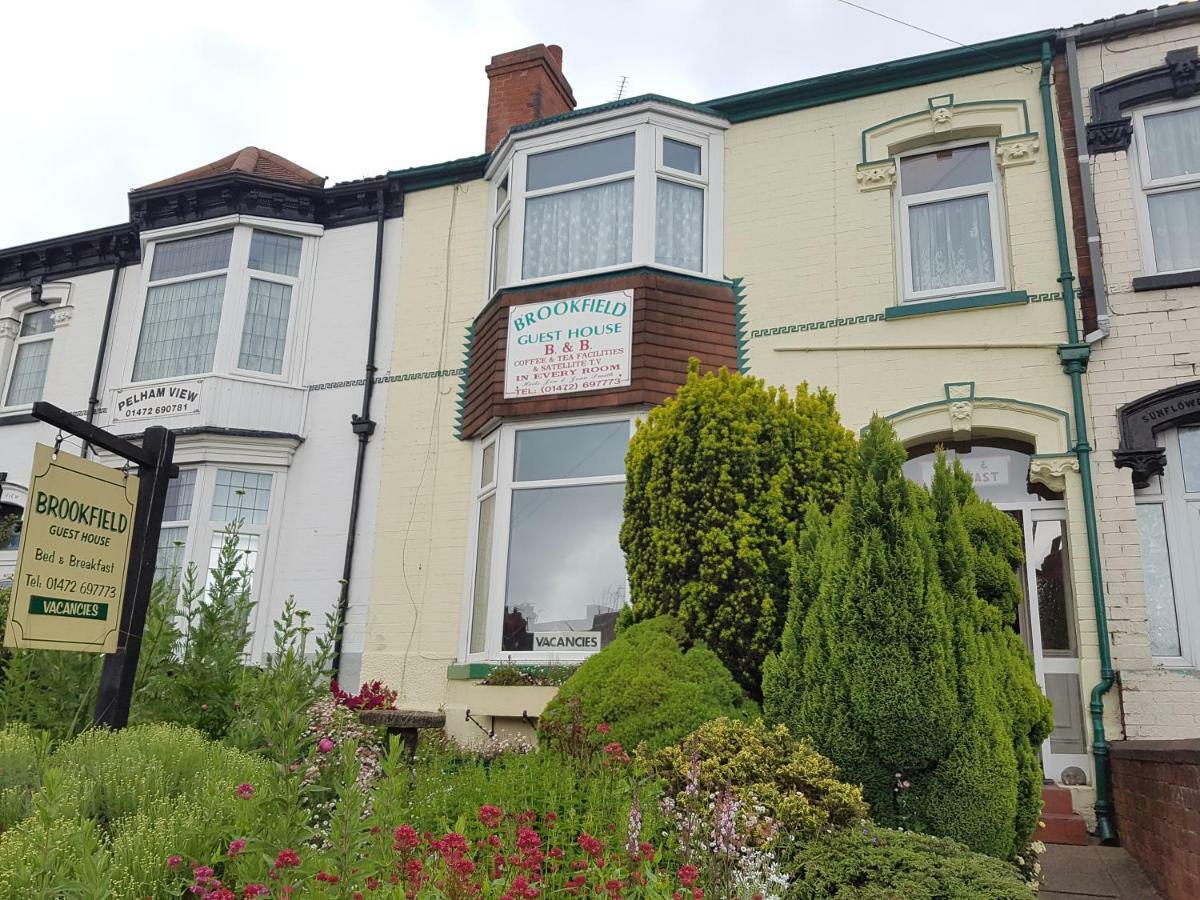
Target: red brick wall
1156,793
1070,155
674,319
524,86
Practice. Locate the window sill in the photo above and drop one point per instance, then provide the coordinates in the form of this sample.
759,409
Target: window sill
955,304
1169,280
19,416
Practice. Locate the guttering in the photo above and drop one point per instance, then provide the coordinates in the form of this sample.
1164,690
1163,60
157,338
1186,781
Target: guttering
1084,162
1146,20
94,396
363,426
1074,356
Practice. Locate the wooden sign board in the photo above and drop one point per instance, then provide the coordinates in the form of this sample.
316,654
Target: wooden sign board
74,556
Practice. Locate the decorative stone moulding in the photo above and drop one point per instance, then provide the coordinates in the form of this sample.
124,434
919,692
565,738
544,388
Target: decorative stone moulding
62,315
1111,130
876,176
1052,471
960,404
943,119
9,328
1017,151
1139,422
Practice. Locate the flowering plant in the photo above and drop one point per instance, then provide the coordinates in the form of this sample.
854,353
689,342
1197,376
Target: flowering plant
372,695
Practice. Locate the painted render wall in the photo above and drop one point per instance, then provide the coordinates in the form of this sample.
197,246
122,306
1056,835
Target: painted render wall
1154,344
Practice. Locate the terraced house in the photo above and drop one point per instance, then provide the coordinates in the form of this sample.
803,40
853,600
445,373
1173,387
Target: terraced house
900,234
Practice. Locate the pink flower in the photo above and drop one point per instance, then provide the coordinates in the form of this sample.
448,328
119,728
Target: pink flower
245,791
591,846
688,875
255,890
604,728
236,846
406,838
174,861
490,815
287,859
325,745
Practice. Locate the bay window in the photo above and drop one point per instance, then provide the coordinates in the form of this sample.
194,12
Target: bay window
949,217
27,378
547,578
221,301
605,197
1168,174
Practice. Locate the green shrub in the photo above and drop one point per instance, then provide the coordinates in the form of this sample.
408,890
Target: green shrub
22,757
717,479
890,661
872,863
647,688
762,767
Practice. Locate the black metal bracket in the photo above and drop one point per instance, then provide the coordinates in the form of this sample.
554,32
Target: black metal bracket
531,721
60,418
490,732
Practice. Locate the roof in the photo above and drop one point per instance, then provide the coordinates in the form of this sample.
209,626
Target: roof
1131,22
247,161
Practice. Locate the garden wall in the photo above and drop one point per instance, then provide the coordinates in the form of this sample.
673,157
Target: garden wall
1156,790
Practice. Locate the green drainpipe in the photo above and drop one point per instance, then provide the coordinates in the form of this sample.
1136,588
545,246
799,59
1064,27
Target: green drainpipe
1074,355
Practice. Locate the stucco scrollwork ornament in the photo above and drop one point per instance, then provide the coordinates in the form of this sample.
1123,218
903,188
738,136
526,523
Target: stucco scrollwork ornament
62,316
941,117
1052,471
876,176
1018,152
9,328
962,412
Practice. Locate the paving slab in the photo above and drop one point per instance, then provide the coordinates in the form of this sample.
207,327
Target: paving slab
1092,873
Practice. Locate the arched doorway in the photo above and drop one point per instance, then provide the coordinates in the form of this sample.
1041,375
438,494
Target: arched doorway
1046,618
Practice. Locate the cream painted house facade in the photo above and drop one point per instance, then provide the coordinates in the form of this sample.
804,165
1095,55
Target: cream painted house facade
898,234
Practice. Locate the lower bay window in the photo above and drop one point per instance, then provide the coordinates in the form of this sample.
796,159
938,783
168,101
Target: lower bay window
547,575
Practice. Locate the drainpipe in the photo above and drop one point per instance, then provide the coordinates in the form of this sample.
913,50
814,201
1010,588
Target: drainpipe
1074,356
94,396
363,426
1084,161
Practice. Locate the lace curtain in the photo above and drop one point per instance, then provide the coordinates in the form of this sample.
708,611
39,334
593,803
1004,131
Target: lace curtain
679,228
577,230
951,243
1156,571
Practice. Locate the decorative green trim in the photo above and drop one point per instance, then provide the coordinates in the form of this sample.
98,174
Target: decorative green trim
1009,401
927,307
462,388
474,670
739,324
609,107
880,79
959,390
420,178
931,105
839,322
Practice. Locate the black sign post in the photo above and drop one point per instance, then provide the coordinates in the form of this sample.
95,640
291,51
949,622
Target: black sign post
155,471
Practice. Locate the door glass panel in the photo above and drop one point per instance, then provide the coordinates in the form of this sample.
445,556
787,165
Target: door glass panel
1189,449
1048,557
1156,572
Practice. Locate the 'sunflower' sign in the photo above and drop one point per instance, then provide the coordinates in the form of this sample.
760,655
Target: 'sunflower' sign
74,556
565,346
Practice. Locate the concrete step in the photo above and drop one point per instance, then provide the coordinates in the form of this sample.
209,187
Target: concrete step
1060,823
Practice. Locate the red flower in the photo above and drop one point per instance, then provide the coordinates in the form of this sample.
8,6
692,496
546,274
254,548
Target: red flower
576,884
646,849
591,846
604,728
287,859
174,861
245,791
688,875
490,815
406,838
236,846
255,890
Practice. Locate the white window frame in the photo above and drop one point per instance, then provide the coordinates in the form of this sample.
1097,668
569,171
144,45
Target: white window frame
650,128
18,343
1144,185
237,291
502,487
995,208
1183,533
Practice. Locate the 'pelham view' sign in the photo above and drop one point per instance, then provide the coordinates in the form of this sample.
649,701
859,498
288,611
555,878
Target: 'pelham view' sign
154,401
565,346
75,540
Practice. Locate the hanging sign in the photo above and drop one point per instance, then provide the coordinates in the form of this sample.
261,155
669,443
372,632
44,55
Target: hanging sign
176,399
565,346
74,555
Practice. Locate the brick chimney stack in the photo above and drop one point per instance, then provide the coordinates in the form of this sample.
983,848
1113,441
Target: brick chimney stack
524,86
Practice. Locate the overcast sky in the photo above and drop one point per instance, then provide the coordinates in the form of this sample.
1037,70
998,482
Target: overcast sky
103,97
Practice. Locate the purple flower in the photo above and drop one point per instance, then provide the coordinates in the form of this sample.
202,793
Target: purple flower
325,745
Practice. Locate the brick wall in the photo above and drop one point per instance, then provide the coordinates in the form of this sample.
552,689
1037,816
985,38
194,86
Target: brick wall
1156,790
524,86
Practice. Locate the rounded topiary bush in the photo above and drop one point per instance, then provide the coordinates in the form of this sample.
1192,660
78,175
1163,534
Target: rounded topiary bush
766,769
648,688
871,863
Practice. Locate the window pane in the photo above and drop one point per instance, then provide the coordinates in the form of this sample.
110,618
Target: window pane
579,230
500,253
1189,449
279,253
1048,556
1175,229
483,574
29,372
681,156
502,193
489,465
566,571
10,515
178,507
1156,572
595,160
264,332
179,329
679,225
205,253
241,495
946,169
168,562
247,546
1173,143
40,322
576,451
951,243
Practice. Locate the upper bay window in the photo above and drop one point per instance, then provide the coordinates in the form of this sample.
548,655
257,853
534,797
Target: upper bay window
1168,174
31,359
220,301
951,237
646,193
